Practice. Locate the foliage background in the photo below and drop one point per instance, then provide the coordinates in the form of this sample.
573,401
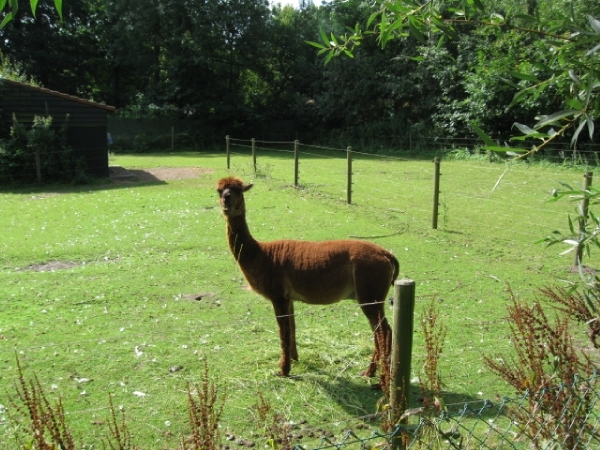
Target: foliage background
238,65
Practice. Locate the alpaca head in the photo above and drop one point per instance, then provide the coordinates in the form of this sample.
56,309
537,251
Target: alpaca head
231,195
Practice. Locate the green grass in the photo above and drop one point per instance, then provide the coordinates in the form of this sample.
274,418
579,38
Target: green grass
141,253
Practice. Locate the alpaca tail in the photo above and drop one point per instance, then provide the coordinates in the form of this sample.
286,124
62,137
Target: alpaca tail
394,262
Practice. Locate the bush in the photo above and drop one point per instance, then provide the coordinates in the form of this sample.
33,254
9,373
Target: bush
39,154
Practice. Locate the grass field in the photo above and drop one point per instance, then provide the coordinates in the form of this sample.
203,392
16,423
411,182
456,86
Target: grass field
118,313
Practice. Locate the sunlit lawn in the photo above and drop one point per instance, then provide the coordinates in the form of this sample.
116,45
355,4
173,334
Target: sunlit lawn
123,313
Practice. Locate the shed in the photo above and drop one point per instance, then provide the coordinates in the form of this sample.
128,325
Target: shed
86,126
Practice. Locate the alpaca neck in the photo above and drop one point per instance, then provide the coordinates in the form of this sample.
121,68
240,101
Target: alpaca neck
239,237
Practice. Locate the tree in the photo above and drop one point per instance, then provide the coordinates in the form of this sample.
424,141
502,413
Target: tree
564,62
61,54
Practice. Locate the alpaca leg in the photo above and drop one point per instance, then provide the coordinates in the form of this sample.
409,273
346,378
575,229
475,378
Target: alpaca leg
293,349
382,336
285,335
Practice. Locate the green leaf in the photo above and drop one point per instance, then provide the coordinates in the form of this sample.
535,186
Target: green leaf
519,97
2,4
33,4
525,17
565,185
414,25
484,137
328,57
541,66
524,128
594,23
324,37
315,44
440,41
58,6
14,5
510,82
571,226
334,41
479,5
594,50
7,19
556,117
397,24
372,18
574,76
577,131
524,76
575,103
590,122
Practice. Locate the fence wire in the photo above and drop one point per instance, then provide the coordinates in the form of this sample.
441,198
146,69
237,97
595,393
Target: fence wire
567,417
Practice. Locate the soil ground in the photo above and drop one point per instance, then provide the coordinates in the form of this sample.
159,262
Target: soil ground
121,175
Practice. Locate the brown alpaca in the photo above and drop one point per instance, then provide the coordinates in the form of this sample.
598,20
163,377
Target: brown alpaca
317,273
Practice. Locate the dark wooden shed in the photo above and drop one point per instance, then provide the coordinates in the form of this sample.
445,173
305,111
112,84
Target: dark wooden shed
86,126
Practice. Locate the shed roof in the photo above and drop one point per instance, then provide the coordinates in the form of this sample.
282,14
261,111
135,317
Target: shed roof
59,94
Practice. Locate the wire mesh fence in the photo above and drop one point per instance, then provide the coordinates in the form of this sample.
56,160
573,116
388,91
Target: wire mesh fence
567,417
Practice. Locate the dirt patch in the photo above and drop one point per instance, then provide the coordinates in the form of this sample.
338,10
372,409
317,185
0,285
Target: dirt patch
51,266
120,174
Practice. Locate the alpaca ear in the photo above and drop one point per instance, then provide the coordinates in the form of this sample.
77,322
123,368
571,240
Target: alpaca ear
247,187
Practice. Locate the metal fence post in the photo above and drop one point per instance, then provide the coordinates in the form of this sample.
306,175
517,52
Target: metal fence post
227,150
402,339
296,145
349,182
436,192
583,213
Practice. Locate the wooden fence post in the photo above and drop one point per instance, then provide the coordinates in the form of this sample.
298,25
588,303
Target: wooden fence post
436,192
227,150
254,154
402,340
296,145
583,212
349,178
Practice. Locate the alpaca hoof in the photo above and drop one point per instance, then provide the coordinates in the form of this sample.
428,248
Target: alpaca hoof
369,373
282,374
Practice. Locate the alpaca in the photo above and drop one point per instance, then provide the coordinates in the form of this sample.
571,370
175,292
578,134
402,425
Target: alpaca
317,273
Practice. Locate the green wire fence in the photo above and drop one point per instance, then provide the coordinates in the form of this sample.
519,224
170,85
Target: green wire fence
563,418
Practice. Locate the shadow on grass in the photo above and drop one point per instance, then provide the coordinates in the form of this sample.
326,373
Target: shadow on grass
119,178
362,400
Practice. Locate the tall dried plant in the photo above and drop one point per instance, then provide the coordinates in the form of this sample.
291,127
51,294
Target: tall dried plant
120,437
276,430
47,425
578,306
545,367
434,335
205,409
